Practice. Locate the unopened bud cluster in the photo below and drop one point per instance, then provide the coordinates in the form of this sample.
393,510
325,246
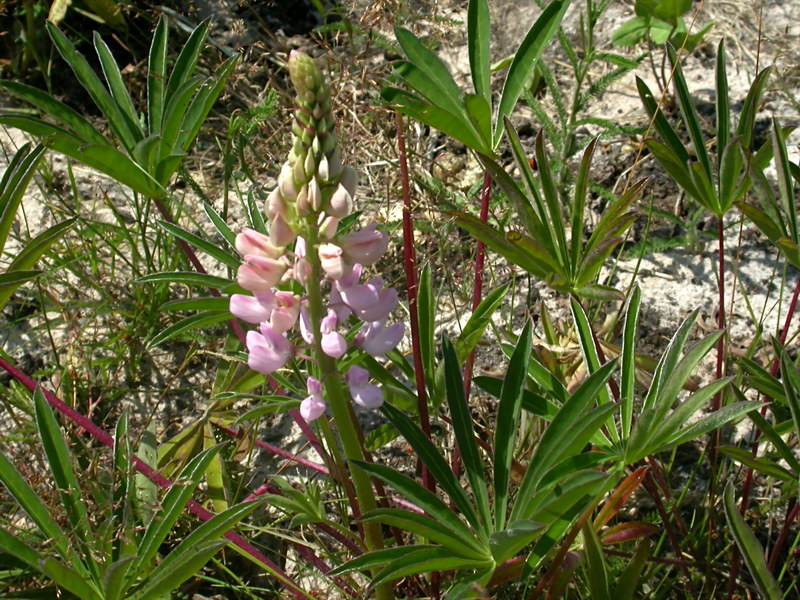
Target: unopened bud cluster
314,191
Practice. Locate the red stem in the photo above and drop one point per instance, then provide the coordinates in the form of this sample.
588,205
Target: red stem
198,510
477,295
410,267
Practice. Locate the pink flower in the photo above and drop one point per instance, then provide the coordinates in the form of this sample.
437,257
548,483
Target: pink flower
253,309
250,241
333,342
364,393
387,302
313,407
378,339
365,246
285,314
260,274
305,326
268,350
331,257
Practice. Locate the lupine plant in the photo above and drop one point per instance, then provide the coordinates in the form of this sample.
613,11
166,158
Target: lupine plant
512,488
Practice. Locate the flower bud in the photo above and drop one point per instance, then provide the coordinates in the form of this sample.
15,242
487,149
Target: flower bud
349,180
280,232
314,195
310,165
327,230
275,204
286,184
341,203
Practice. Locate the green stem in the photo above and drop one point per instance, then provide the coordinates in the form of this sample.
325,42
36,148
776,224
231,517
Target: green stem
339,399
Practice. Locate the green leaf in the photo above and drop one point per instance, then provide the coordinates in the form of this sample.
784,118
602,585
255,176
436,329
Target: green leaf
672,140
59,111
791,384
478,322
34,249
628,581
759,463
375,559
508,417
123,127
13,185
171,508
213,303
209,248
187,566
751,103
441,472
722,103
457,126
220,224
424,526
115,84
478,47
187,59
30,502
631,33
752,552
187,278
12,545
68,579
193,322
110,161
60,464
426,560
506,543
710,422
203,103
437,84
525,59
427,501
465,434
596,571
772,436
157,76
426,313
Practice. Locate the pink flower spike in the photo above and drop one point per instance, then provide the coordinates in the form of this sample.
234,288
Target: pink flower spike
332,263
250,241
268,351
250,309
378,339
365,246
260,274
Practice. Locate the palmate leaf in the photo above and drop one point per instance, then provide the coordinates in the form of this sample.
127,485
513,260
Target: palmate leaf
509,246
126,129
431,504
457,126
